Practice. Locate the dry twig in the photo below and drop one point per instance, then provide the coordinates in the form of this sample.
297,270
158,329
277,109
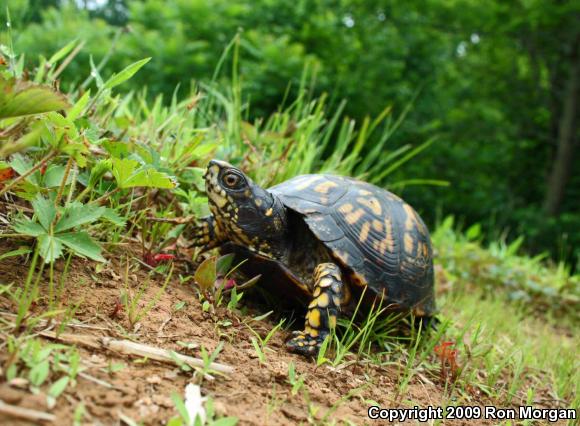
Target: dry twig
135,349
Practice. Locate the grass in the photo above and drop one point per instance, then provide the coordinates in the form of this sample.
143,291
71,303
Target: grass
114,163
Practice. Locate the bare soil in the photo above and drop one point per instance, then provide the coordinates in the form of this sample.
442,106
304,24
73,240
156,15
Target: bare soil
256,393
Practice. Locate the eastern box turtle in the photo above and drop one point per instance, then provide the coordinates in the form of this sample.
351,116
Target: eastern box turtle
325,237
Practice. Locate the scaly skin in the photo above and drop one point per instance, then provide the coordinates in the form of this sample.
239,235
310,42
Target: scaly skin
328,296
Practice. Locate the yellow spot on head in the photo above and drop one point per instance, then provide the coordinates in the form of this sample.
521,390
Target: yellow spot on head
324,187
269,212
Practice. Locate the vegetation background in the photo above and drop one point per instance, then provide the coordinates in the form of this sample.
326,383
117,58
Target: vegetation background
109,113
496,82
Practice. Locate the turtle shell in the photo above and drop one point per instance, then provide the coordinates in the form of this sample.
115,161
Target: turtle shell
378,239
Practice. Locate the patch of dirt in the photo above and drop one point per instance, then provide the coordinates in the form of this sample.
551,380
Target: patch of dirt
257,394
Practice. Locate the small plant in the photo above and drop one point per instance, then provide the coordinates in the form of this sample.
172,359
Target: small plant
213,277
131,299
38,363
260,344
450,369
54,229
296,381
208,359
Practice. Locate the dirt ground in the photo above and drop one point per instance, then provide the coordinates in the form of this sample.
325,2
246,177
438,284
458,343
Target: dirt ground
256,393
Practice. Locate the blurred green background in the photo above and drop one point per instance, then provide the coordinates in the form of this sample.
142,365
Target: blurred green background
496,81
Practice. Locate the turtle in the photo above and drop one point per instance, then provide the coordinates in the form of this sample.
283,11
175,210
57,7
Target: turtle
331,241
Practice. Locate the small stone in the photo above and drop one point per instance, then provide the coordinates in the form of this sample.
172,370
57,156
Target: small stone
9,395
163,401
19,382
154,380
220,408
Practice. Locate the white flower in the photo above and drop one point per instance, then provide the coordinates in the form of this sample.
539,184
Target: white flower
194,404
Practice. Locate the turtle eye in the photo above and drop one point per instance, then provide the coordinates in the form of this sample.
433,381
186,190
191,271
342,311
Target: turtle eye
232,180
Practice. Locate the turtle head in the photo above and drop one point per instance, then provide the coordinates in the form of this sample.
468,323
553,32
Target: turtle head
248,214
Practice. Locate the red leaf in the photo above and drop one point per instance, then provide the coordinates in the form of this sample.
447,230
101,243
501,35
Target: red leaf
6,174
163,257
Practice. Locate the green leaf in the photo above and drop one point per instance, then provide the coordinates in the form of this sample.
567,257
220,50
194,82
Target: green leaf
25,141
50,248
205,275
126,74
98,170
19,99
78,214
58,387
112,216
95,73
39,373
79,106
150,178
44,210
180,406
22,165
54,175
117,149
175,421
13,253
28,227
123,169
223,263
226,421
474,232
128,175
62,52
82,245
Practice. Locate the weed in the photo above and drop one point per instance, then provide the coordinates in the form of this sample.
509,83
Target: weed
297,382
259,343
131,300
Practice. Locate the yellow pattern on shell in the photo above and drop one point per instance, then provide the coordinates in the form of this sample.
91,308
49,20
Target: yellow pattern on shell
355,216
364,232
324,187
372,204
345,208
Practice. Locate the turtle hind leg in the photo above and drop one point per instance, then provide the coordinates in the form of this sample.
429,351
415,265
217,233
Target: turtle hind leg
323,310
426,324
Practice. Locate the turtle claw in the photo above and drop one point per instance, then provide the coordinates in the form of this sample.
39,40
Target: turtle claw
304,344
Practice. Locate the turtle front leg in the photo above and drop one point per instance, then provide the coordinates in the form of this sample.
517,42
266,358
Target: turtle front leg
328,295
